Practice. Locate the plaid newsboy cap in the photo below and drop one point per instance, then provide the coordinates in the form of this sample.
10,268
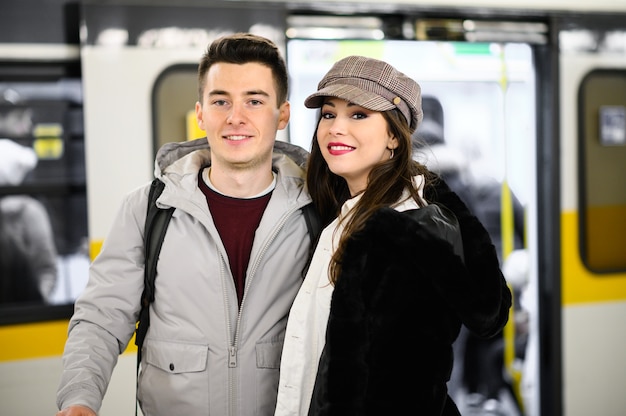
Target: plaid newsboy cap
372,84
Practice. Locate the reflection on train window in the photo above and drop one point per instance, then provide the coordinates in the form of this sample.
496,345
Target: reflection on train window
603,176
43,208
173,102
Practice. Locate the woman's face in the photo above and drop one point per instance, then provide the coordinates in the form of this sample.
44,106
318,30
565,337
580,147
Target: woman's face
352,140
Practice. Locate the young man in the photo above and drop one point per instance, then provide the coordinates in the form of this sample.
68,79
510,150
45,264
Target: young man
231,262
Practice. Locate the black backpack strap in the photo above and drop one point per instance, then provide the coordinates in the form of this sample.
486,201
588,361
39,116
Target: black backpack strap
155,227
314,225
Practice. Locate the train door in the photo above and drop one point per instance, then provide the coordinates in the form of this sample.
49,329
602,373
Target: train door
593,214
479,126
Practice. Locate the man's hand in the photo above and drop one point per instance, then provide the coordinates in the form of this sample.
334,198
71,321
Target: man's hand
76,411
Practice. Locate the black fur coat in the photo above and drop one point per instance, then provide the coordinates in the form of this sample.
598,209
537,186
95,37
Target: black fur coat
397,308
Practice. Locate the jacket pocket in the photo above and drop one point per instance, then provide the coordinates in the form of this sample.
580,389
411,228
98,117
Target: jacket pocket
173,379
268,354
268,365
175,357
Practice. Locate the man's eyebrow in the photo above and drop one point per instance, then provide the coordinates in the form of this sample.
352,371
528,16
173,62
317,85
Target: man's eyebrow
257,92
250,92
218,92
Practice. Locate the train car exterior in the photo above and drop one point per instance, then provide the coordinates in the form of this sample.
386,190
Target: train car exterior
593,258
535,90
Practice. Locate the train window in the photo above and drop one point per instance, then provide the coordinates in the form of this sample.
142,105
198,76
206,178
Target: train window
173,102
43,207
602,154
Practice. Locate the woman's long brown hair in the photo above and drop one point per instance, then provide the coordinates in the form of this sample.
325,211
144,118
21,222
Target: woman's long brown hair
385,185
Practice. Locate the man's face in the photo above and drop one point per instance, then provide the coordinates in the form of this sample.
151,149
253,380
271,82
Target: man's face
240,115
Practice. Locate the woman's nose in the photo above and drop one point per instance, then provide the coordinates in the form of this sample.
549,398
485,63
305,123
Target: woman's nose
336,127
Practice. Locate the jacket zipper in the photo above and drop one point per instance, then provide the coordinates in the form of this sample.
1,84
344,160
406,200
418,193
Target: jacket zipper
232,349
253,269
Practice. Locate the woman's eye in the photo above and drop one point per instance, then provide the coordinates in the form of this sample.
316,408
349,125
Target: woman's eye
359,116
328,116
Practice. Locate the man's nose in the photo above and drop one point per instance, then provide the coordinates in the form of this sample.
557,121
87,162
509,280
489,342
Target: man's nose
236,114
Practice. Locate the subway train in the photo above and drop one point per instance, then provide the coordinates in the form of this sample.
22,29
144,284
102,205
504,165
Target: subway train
533,98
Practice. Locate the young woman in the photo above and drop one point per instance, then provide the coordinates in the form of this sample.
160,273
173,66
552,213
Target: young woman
400,266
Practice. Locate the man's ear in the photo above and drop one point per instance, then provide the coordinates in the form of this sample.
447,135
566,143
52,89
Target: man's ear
285,113
199,119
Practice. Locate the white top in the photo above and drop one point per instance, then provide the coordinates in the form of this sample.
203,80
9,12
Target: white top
306,328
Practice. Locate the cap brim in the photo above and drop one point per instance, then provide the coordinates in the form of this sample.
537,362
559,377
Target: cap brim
349,93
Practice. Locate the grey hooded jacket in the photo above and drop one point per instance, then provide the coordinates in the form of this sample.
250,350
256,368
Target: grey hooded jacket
203,355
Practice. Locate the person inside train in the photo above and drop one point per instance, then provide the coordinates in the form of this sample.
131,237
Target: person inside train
479,365
231,262
28,253
392,279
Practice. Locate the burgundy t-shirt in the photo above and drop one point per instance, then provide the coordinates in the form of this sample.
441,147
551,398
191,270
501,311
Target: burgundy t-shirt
236,221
